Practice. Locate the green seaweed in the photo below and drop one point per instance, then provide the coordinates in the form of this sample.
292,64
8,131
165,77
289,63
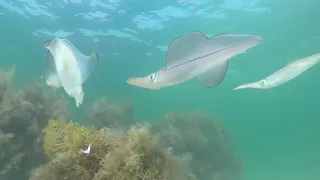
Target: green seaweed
23,115
171,149
205,139
115,154
6,78
104,113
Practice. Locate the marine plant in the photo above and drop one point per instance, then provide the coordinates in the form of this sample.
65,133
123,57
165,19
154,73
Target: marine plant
205,139
23,115
6,78
115,154
104,113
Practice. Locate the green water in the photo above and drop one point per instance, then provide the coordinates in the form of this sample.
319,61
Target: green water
276,131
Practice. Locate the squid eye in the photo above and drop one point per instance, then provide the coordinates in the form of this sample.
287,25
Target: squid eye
153,77
263,82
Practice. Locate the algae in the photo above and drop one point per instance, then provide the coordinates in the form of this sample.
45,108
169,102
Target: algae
115,154
106,113
23,115
6,78
179,146
206,140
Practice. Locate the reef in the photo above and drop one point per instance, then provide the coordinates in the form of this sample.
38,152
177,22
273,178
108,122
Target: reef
23,115
115,154
205,139
6,78
103,113
39,141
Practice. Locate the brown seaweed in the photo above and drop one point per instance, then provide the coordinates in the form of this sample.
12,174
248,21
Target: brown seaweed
23,115
115,154
206,140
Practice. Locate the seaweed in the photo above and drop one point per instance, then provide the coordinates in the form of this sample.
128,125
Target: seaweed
6,78
115,154
37,136
23,115
205,139
103,113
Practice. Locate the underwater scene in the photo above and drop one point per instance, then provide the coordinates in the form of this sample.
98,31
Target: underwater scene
159,90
